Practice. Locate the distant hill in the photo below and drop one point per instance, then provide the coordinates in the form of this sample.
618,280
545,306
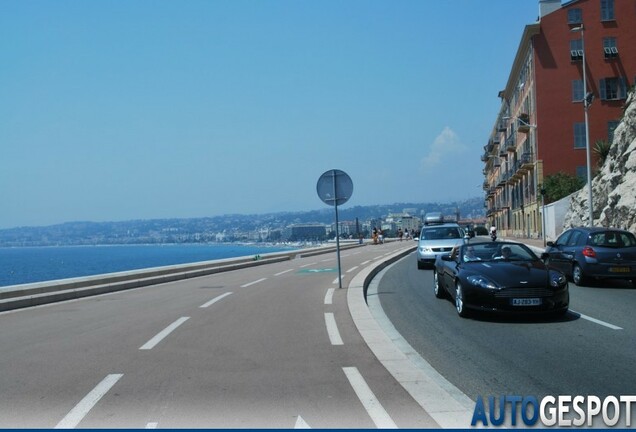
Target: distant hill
206,229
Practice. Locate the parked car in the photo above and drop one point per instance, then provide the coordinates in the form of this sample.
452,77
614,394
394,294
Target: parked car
594,253
498,277
437,238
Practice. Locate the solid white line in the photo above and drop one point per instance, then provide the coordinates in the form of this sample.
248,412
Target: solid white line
332,329
252,283
352,269
594,320
80,410
283,272
162,334
152,425
214,300
376,411
301,424
329,296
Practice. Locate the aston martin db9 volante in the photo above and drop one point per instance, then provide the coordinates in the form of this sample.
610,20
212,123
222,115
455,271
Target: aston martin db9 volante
498,277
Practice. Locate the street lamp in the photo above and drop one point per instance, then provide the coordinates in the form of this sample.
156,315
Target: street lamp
587,101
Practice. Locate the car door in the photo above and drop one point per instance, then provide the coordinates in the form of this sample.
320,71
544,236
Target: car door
559,256
451,268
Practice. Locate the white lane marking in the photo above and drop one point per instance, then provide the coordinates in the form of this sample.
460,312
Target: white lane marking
283,272
365,262
152,425
329,296
254,282
332,329
80,410
352,269
375,410
215,299
335,281
163,333
307,265
594,320
378,257
301,424
328,259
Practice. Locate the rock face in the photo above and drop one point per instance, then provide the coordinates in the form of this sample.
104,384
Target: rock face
614,187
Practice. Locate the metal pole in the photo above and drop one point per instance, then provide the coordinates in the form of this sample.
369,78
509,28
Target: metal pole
543,218
587,138
335,203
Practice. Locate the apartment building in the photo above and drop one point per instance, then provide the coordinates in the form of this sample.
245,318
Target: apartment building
541,129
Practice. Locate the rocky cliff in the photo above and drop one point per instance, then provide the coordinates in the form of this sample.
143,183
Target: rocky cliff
614,187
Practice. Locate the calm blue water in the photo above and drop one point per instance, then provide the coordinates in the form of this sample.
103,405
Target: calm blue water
37,264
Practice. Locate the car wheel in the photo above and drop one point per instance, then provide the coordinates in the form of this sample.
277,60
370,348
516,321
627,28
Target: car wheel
439,291
459,301
577,275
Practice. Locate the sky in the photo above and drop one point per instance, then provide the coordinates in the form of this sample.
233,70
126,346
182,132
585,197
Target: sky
142,109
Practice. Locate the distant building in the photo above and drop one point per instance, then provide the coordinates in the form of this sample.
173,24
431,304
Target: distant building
540,129
305,232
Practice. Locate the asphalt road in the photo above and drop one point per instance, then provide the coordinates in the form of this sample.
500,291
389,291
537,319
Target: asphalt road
590,351
272,346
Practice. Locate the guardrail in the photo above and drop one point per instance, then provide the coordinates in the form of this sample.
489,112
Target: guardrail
34,294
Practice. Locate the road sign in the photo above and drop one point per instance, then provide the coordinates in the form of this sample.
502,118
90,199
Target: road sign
334,187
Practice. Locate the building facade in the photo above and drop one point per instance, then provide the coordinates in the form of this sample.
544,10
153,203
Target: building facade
540,129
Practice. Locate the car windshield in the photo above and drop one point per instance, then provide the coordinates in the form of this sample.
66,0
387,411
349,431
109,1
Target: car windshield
613,239
481,252
440,233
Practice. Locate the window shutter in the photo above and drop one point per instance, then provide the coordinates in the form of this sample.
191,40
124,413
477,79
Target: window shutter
622,88
603,89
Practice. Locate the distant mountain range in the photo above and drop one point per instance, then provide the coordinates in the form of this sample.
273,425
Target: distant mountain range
208,229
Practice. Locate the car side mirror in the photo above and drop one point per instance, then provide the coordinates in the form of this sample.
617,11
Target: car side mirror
550,243
446,257
545,256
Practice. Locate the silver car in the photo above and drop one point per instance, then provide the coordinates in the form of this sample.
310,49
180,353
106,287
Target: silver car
437,239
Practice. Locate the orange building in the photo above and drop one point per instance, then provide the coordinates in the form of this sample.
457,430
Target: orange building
541,129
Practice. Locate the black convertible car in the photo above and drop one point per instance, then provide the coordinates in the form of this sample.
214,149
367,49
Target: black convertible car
499,276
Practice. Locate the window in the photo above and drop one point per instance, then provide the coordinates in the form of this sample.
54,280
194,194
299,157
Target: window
607,10
609,47
577,90
576,49
579,135
575,16
574,238
613,88
611,127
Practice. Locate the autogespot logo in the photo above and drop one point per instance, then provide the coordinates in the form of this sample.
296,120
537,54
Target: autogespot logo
559,410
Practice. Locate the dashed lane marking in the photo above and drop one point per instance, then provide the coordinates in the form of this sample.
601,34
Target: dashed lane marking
75,416
163,333
214,300
375,410
254,282
332,329
329,296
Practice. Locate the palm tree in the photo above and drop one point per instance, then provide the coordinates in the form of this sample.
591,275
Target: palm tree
601,148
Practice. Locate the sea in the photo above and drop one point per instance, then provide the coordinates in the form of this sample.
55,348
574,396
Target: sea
21,265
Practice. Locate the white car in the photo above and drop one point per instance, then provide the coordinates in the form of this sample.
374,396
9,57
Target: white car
437,239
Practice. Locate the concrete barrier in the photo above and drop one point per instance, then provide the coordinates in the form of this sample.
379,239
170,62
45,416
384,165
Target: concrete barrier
34,294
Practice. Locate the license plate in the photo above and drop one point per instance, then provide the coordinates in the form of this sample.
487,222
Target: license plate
619,269
526,302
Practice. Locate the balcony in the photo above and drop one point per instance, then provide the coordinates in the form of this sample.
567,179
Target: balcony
523,123
527,161
511,143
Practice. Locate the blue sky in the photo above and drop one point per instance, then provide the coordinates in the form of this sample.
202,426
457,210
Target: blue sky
116,110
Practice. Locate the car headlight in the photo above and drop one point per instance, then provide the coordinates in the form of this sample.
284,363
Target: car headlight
557,280
481,282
